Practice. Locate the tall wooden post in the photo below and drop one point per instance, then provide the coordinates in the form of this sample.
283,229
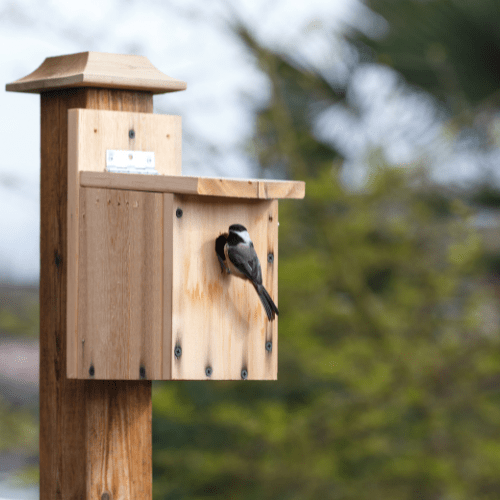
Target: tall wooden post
95,436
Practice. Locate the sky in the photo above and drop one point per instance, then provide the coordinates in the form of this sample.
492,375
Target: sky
191,40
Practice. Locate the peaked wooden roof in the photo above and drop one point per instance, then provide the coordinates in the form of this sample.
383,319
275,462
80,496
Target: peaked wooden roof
97,69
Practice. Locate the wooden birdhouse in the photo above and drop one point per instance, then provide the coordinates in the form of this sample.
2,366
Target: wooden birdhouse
130,285
146,295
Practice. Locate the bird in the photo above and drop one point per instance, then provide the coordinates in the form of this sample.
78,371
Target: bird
237,256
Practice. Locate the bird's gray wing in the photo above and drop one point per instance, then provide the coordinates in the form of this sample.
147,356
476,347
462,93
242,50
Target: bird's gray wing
245,259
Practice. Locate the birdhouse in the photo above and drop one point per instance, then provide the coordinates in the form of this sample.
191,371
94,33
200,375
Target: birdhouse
130,284
147,298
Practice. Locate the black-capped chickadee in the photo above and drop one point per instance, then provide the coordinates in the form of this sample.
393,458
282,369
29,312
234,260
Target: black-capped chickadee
237,256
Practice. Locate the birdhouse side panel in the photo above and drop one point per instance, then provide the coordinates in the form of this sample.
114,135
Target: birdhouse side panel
120,320
219,327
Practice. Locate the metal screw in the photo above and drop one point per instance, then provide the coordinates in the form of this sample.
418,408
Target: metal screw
244,374
131,134
269,346
91,370
178,351
270,257
142,372
178,212
105,496
208,371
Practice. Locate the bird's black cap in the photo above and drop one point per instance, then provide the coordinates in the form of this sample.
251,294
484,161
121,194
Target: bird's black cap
237,227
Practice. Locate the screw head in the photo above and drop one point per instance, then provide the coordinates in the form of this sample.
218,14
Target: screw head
178,213
270,258
131,134
178,351
91,370
208,371
269,346
244,374
142,372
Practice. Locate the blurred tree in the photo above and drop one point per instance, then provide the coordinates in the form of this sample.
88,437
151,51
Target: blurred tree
19,323
19,311
389,360
450,48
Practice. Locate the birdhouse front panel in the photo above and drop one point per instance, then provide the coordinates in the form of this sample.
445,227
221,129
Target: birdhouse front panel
218,321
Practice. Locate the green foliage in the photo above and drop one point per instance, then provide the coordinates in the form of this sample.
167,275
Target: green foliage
19,318
19,436
19,311
26,476
450,47
18,429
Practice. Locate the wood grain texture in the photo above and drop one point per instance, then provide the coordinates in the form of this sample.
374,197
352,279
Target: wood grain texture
120,320
271,284
217,319
168,249
75,414
99,131
203,186
97,69
90,134
264,190
121,424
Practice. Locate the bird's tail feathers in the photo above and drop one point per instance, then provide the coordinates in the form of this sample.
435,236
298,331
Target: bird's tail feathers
267,302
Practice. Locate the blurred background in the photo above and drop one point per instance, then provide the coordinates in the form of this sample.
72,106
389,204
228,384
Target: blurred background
389,359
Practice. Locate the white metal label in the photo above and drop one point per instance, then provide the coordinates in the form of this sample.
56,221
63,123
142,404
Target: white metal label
130,162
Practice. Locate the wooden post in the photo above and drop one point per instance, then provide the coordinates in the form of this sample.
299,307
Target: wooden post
95,436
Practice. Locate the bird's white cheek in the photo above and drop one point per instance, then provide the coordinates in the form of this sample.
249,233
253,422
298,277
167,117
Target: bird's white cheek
246,237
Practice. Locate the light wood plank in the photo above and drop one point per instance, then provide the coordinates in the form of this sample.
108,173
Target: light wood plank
217,319
73,201
206,186
97,69
120,295
168,248
251,188
137,182
271,284
103,130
